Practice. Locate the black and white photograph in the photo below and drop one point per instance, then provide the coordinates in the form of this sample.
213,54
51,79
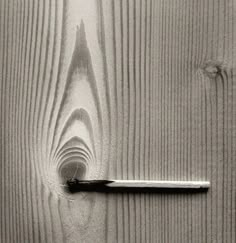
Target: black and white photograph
117,121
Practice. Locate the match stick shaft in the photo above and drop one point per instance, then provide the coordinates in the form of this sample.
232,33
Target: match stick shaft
159,184
135,185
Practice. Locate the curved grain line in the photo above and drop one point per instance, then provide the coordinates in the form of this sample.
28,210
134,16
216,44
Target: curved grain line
81,60
77,115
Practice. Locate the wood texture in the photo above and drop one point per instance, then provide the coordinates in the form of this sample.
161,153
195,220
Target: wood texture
126,89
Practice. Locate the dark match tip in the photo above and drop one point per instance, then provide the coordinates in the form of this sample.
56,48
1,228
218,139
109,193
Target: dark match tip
75,185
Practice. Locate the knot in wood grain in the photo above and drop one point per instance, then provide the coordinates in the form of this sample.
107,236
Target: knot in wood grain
212,68
73,160
72,170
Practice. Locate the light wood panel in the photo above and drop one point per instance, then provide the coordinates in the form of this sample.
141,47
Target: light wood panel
125,89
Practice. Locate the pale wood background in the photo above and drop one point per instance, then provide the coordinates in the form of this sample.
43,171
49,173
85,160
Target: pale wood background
130,89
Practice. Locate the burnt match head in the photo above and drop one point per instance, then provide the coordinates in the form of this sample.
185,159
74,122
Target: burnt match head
72,184
75,185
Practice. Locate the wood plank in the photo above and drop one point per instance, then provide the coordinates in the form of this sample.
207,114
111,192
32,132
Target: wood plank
124,89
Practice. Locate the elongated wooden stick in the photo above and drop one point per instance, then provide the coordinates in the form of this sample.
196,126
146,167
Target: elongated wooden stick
76,185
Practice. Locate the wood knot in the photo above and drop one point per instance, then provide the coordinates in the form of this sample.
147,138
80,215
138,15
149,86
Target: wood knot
212,69
72,170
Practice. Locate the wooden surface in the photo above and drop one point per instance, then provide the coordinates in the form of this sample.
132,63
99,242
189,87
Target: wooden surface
117,89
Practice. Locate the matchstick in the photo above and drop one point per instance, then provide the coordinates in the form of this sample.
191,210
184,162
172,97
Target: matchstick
75,185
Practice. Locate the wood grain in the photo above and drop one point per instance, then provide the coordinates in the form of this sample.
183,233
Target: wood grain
124,89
